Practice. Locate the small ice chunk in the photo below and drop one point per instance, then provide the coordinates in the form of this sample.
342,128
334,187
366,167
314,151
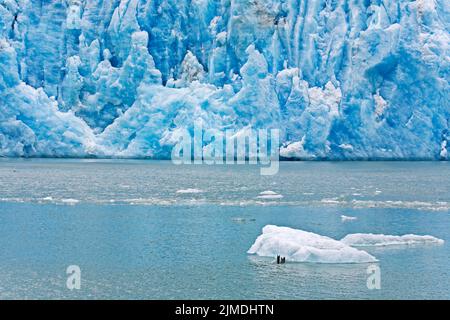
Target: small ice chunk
378,240
278,196
243,220
189,191
269,195
347,218
70,201
302,246
331,201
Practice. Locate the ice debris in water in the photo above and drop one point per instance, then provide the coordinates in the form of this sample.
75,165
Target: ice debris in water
269,195
70,201
368,240
243,220
301,246
189,191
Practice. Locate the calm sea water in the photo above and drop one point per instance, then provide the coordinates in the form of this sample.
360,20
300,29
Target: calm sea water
137,232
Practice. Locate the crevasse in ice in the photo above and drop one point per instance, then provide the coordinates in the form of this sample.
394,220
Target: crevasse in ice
121,78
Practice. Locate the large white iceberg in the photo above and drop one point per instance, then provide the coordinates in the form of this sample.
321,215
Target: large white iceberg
377,240
269,195
301,246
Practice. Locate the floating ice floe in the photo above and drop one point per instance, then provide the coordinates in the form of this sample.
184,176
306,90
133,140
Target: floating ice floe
189,191
243,220
332,201
417,205
347,218
269,195
51,200
378,240
301,246
70,201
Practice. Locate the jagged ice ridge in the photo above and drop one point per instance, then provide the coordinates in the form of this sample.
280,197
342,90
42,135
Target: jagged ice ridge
121,78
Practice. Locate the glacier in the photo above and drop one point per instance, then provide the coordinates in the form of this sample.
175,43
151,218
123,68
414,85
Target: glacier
341,79
381,240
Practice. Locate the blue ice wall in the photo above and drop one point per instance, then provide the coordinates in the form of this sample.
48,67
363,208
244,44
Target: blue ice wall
342,79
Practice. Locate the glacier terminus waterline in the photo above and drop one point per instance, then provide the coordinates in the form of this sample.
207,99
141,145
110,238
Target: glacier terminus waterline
365,79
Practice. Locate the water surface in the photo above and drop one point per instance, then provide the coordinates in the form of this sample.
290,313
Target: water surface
136,236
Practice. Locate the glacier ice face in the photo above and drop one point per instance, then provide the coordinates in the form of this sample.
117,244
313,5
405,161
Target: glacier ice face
123,78
31,123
